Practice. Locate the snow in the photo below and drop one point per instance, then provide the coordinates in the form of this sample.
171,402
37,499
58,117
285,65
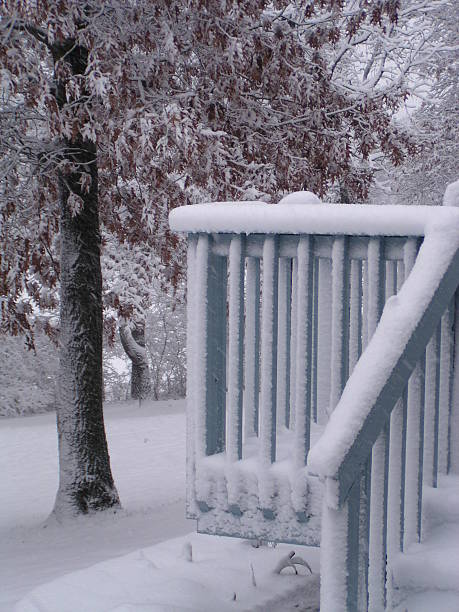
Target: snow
147,449
56,562
161,578
400,317
451,196
301,197
355,219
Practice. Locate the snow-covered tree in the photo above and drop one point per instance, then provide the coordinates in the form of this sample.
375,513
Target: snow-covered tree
113,112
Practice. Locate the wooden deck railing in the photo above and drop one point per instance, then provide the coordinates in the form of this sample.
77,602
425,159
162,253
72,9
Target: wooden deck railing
282,301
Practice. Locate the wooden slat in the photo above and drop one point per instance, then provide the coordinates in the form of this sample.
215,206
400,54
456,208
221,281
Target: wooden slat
431,413
340,320
446,369
291,420
340,570
191,383
252,348
283,341
355,314
269,351
414,440
235,348
304,349
453,455
324,312
378,523
210,346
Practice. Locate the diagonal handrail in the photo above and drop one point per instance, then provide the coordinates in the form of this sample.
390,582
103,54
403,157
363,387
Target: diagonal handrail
377,383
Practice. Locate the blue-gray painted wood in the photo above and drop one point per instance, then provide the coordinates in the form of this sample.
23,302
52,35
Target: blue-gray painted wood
235,347
216,355
437,407
304,350
403,465
340,319
364,536
268,373
378,521
252,347
353,547
397,380
283,340
421,442
315,338
454,321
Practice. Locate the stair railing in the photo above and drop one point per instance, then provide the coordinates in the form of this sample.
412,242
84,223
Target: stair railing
394,429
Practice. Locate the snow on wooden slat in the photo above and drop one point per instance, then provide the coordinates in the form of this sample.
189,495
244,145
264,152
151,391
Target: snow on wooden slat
268,374
303,355
414,440
252,348
235,349
324,314
293,324
283,341
431,411
446,363
397,441
191,383
355,313
340,320
380,451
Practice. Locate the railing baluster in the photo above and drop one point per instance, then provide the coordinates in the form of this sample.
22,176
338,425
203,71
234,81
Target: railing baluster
397,451
210,346
355,313
283,341
324,314
453,455
235,348
291,421
431,413
191,385
315,337
252,348
364,539
304,348
413,474
340,320
446,369
340,570
380,452
364,304
269,350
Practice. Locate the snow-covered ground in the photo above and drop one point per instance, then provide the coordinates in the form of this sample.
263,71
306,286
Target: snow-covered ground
147,449
79,566
134,560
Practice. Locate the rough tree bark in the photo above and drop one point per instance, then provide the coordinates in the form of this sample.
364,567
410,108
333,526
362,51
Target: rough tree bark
133,342
85,479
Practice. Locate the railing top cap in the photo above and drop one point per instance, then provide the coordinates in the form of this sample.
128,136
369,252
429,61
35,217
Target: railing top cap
312,218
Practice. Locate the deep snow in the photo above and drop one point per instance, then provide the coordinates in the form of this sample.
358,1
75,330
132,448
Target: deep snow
147,449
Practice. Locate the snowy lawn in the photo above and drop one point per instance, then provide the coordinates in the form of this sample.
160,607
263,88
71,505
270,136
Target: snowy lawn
56,562
147,449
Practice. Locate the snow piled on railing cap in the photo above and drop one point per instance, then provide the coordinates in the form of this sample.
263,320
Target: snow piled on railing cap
400,317
347,219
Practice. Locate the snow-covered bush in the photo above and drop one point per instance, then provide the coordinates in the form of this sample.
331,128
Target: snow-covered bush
27,377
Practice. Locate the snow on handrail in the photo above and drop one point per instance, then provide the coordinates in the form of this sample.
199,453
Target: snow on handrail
318,218
407,323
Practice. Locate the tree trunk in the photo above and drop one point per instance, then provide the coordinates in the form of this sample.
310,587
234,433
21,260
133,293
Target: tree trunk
85,479
133,342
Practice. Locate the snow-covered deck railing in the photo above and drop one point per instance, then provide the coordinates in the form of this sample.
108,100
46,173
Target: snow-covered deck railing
282,301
